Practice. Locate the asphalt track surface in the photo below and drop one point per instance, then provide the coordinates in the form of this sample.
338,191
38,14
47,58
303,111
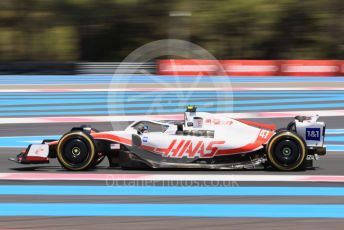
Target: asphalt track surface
331,164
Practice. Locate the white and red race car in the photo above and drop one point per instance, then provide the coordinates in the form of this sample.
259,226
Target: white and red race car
203,140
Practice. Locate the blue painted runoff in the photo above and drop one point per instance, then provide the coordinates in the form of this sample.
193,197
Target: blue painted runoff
167,190
175,210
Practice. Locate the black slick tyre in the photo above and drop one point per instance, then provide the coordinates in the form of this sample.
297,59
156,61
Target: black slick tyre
76,151
286,151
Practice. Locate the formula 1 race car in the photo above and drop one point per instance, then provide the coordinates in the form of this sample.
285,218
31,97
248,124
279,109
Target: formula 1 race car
203,140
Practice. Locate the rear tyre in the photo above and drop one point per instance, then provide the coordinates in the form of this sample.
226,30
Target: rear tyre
286,151
76,151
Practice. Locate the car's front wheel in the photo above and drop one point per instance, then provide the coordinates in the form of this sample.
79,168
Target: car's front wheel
286,151
76,151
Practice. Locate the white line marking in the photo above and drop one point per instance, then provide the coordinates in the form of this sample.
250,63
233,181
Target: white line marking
168,89
334,131
168,177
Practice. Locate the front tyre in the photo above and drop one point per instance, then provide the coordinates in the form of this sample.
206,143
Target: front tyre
76,151
286,151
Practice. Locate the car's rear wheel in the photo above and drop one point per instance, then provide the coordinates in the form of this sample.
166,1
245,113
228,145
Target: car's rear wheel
286,151
76,151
